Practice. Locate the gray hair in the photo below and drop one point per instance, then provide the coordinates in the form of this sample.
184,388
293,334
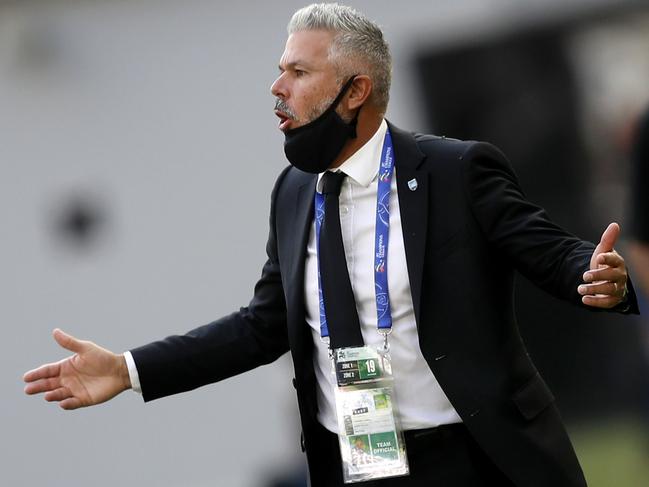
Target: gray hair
357,40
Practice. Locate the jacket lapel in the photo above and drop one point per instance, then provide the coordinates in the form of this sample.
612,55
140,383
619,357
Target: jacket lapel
303,218
412,189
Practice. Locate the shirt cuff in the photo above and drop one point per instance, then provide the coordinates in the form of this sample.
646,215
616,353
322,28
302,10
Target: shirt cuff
132,372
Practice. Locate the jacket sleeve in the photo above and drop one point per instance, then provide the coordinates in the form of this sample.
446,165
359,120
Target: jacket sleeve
522,232
253,336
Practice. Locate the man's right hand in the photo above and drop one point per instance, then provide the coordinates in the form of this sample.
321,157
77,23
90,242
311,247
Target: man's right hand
91,376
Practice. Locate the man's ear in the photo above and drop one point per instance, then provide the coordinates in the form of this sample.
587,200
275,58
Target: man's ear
359,92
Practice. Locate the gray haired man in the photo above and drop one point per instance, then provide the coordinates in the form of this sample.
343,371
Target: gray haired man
472,409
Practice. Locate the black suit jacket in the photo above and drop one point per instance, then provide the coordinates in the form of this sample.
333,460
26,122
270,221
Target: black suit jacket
467,227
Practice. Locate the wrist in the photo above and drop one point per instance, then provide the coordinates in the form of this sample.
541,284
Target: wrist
122,372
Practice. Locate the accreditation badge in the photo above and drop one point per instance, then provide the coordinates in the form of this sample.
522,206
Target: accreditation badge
371,441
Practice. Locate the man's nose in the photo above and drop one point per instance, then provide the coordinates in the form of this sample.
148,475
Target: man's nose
278,88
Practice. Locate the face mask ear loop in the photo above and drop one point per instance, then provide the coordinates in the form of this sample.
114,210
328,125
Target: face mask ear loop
334,105
343,90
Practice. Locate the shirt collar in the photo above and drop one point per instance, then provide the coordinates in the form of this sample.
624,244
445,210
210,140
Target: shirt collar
363,165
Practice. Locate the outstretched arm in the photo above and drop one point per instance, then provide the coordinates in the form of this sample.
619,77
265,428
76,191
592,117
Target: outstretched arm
91,376
558,262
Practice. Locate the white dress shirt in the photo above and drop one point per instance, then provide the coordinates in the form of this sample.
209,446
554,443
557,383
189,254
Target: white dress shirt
420,400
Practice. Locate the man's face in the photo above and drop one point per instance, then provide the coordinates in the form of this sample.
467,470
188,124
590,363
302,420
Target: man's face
306,85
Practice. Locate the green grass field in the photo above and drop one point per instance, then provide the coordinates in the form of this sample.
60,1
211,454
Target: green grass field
614,453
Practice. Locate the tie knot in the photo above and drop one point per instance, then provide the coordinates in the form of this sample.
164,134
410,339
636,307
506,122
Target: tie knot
332,181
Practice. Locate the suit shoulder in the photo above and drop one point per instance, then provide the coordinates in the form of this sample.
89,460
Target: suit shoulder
441,147
432,141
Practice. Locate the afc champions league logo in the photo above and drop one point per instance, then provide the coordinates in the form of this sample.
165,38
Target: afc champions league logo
385,173
382,299
387,160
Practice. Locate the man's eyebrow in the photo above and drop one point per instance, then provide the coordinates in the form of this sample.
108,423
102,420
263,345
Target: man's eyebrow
293,64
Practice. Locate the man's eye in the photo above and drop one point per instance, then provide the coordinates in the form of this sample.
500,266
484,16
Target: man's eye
299,73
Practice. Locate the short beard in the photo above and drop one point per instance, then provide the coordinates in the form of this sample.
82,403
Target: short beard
315,111
319,109
322,107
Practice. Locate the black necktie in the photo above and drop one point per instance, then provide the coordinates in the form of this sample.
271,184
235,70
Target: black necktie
340,306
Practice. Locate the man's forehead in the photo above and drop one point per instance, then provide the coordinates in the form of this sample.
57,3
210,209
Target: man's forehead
308,47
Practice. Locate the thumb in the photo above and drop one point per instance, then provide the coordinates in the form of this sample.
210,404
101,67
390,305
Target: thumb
68,341
606,243
609,237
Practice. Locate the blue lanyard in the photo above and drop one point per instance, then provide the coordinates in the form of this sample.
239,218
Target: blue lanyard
381,237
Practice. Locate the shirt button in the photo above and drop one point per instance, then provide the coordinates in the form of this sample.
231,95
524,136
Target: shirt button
344,210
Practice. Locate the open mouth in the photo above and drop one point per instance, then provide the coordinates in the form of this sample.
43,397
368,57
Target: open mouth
284,120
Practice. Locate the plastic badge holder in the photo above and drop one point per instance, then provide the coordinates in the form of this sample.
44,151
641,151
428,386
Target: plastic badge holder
371,440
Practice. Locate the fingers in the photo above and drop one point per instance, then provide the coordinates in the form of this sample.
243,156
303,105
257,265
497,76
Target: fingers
601,288
70,403
51,370
611,259
43,385
601,301
609,266
613,274
607,277
68,341
54,392
43,372
58,394
65,398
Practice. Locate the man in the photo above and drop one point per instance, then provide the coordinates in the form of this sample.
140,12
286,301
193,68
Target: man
473,407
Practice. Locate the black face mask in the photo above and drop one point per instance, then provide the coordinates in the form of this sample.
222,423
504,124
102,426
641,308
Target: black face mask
314,147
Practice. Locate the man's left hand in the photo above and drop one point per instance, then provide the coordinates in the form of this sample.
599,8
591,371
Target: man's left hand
605,282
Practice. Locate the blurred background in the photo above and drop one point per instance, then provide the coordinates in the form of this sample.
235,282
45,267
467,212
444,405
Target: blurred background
138,148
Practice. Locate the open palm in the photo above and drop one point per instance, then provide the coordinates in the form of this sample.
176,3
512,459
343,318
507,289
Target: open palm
91,376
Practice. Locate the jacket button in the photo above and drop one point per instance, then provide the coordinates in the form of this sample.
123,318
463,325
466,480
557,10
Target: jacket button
294,383
302,446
